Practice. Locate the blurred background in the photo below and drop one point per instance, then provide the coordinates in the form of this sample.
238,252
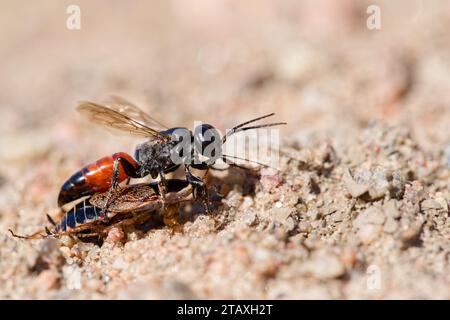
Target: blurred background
316,63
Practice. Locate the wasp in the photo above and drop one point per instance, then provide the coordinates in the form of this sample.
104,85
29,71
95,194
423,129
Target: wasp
130,205
164,151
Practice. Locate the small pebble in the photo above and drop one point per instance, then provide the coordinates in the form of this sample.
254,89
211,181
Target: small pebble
290,224
390,209
250,218
313,214
120,263
430,204
65,251
349,258
281,214
390,226
411,237
304,226
48,280
371,215
368,233
270,182
354,188
325,266
247,203
337,216
115,235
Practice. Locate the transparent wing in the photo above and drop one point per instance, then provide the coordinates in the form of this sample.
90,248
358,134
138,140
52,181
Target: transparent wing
131,110
111,117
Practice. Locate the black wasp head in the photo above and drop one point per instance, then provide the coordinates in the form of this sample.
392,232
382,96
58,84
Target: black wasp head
207,142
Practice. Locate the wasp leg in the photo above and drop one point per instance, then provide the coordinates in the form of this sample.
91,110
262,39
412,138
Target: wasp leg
163,184
200,190
130,171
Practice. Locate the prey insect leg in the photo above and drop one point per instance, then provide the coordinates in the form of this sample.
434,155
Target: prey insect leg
162,187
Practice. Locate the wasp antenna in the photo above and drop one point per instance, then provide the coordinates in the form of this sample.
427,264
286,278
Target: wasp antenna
242,127
261,126
245,123
253,120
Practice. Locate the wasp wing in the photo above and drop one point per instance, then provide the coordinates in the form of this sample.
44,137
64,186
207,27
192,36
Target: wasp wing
131,110
119,120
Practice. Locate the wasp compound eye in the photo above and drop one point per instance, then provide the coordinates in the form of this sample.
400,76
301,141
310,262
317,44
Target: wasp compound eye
207,142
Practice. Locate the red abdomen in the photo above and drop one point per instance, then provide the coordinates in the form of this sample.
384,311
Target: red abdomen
93,178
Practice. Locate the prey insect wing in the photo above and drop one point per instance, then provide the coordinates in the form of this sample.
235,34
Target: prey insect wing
110,117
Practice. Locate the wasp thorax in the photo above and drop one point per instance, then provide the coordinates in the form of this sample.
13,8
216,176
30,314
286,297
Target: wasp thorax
180,145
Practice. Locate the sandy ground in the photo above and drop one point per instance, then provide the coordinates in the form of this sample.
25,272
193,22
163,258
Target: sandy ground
359,207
